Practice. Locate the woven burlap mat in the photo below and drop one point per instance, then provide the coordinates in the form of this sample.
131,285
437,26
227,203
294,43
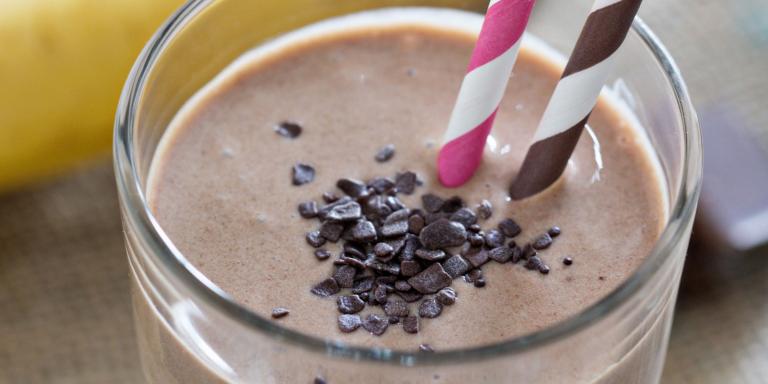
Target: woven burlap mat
65,316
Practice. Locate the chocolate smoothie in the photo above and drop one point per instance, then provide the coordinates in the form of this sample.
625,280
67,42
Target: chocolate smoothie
221,183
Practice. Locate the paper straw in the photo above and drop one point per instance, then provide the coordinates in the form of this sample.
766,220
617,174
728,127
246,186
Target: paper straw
575,96
482,89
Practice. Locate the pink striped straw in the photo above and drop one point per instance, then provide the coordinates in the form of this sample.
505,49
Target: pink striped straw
482,90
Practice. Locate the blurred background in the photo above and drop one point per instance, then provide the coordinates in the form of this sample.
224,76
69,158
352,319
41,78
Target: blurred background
65,313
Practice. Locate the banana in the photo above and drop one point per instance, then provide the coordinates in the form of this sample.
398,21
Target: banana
62,66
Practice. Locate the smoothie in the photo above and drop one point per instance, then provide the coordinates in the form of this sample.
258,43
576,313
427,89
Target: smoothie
221,185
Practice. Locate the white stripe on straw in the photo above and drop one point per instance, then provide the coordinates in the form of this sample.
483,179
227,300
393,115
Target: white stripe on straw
574,98
482,90
480,94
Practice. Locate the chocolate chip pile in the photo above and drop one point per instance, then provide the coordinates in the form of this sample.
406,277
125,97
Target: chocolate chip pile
393,255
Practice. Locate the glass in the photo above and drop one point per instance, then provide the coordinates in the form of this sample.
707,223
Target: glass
191,331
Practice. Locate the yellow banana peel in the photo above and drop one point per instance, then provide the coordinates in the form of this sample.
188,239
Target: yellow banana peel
62,66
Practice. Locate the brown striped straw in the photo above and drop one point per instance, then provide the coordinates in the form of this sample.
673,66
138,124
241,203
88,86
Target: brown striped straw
575,96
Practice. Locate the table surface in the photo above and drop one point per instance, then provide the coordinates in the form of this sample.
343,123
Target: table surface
65,314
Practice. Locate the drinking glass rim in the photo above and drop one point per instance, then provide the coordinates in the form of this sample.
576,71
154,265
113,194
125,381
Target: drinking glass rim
137,212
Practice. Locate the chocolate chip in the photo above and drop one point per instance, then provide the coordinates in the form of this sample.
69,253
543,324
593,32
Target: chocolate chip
380,294
393,319
554,231
446,296
364,231
383,251
485,209
314,239
542,242
479,283
382,184
355,250
331,230
425,348
350,304
405,182
288,129
319,380
376,324
453,204
456,266
415,224
352,187
322,254
302,174
474,228
409,268
349,323
397,216
431,254
326,288
474,275
476,239
476,256
385,153
396,308
494,239
430,308
544,269
517,254
396,228
443,234
432,203
402,285
534,263
430,280
396,224
330,197
322,213
411,324
501,254
396,244
412,243
568,260
394,203
348,211
365,296
375,208
351,261
363,284
465,216
345,276
308,209
509,228
409,296
279,312
392,269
